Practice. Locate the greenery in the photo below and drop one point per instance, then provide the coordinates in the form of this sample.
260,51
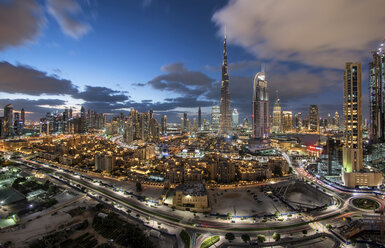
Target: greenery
261,238
230,236
123,233
304,232
245,237
185,237
209,241
328,226
276,236
365,203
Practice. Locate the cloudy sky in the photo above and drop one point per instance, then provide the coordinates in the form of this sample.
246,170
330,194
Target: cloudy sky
111,56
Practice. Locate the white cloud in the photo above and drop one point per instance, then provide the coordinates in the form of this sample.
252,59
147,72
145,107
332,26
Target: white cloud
64,11
323,33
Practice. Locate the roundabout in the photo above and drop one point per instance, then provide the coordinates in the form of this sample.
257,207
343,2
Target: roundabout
365,203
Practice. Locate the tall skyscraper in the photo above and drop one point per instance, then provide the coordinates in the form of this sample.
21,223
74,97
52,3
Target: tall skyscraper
313,118
215,118
276,126
352,151
225,115
287,121
83,121
336,119
377,95
260,111
235,118
8,118
164,124
22,116
199,117
353,172
185,126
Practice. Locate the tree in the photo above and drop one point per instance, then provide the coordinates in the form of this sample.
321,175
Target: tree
261,238
328,226
304,232
230,237
138,187
277,214
276,236
245,237
229,216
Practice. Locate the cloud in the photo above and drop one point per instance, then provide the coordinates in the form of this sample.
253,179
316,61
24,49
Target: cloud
20,22
35,109
27,80
319,33
64,11
181,80
101,94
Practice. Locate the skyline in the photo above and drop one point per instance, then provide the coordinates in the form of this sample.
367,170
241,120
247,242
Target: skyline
108,57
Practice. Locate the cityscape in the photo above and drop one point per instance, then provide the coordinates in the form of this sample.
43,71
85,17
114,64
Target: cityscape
265,126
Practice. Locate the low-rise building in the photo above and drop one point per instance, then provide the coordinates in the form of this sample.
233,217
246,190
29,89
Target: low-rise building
191,197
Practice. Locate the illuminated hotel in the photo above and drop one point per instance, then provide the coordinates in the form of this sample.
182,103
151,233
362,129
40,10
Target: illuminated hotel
260,106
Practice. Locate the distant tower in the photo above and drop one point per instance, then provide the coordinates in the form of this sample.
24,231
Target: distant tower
313,118
260,111
164,124
225,117
8,117
235,118
199,117
215,118
276,126
23,116
83,122
185,126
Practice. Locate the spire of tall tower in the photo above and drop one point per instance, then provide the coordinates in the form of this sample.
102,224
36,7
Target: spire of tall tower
225,118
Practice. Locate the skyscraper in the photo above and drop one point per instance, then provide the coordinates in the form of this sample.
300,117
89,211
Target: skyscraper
353,173
352,151
377,96
235,118
276,126
199,117
215,118
164,124
185,126
287,121
83,121
225,115
260,111
8,118
313,118
23,116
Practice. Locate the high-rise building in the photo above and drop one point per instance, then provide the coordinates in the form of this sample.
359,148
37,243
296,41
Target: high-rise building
260,107
22,113
298,121
377,95
313,118
8,118
83,120
353,174
185,119
287,121
276,126
164,124
215,118
235,118
199,118
225,115
336,120
352,152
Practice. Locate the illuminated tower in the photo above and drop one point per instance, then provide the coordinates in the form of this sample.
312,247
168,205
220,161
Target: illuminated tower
225,117
377,95
235,118
215,118
22,116
260,111
313,118
164,124
352,150
8,117
276,126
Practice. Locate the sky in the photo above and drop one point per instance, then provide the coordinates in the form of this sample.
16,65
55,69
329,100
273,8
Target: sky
111,56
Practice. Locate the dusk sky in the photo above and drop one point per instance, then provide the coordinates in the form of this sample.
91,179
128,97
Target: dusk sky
166,55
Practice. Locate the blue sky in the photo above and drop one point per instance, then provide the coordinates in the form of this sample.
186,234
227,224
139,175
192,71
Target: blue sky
166,55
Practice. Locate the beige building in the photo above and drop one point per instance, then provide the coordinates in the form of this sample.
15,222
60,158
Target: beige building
191,197
353,173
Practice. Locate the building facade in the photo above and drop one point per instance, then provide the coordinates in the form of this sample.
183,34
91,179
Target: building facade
276,126
260,107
